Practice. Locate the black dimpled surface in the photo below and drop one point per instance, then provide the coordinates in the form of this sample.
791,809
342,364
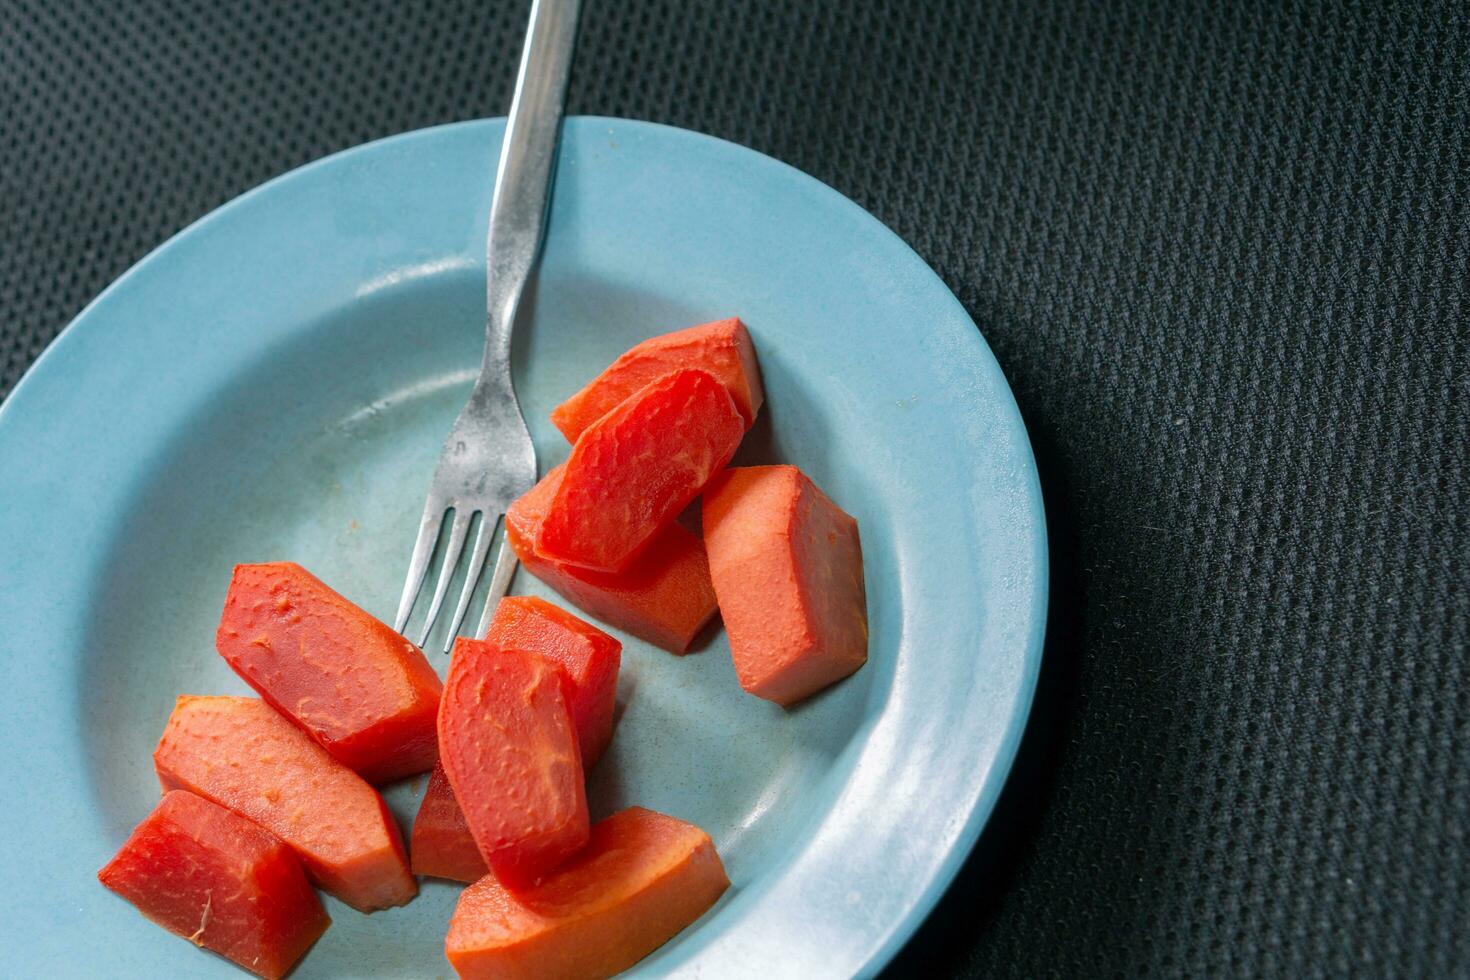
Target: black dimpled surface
1222,251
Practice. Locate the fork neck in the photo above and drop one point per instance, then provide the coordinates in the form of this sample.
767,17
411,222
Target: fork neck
502,302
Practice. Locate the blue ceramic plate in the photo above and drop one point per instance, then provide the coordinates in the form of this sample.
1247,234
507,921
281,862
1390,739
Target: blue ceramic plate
275,383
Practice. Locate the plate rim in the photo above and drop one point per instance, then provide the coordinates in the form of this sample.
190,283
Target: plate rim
900,932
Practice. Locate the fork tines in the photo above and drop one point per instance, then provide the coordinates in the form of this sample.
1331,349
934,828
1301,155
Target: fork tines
430,529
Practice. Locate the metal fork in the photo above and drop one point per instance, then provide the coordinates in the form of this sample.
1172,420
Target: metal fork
488,459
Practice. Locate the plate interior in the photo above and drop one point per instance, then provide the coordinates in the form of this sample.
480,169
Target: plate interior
318,453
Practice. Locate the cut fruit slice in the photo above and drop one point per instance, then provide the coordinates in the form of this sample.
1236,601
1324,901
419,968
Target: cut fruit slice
241,754
788,569
722,348
367,695
587,656
221,882
509,747
633,470
665,596
642,878
442,846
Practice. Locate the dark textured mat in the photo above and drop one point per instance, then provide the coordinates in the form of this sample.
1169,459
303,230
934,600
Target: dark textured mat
1221,250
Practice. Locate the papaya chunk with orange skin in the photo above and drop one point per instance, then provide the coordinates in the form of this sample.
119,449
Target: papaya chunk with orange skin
367,695
642,878
441,845
788,570
722,347
509,747
633,470
241,754
588,658
664,597
221,882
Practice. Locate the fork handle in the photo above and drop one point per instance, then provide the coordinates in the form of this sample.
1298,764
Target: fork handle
523,177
